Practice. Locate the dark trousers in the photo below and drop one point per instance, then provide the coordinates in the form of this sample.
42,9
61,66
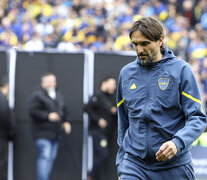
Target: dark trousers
3,158
129,170
100,153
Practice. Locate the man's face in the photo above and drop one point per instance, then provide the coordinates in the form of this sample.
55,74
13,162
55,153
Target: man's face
49,82
5,89
147,51
111,86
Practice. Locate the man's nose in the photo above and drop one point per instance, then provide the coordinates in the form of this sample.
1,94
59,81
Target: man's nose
140,49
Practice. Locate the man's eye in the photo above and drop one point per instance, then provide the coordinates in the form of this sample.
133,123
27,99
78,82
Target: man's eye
144,43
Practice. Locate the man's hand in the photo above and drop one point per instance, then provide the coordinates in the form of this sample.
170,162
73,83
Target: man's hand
54,117
113,110
102,123
166,151
67,127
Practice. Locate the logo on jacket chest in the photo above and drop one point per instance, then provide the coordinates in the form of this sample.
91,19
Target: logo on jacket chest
163,83
133,86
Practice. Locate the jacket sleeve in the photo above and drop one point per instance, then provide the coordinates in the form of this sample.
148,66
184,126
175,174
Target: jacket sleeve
192,108
90,108
36,111
6,121
65,115
123,122
63,109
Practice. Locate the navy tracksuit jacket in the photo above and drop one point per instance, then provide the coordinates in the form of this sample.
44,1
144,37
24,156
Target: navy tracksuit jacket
157,104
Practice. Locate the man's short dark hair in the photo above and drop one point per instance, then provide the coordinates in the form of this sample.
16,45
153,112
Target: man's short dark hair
149,27
105,80
47,74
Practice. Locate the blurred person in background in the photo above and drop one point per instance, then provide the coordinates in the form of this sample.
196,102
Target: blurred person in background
34,44
6,127
200,76
82,23
203,74
49,113
160,109
102,113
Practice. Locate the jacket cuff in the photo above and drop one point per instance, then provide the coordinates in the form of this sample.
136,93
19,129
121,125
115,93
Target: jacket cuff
179,143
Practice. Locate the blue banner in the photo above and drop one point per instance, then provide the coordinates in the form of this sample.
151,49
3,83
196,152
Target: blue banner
199,156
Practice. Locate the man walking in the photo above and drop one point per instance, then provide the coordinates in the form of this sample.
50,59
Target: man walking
160,111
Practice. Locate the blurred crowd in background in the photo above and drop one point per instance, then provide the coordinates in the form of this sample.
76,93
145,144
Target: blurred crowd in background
103,25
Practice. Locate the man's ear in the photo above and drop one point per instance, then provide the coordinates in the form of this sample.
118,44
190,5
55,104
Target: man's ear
161,40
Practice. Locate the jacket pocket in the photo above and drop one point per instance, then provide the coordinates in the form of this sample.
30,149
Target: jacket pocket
134,92
165,91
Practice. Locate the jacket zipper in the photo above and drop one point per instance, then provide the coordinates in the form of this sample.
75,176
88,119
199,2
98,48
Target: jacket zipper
147,122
